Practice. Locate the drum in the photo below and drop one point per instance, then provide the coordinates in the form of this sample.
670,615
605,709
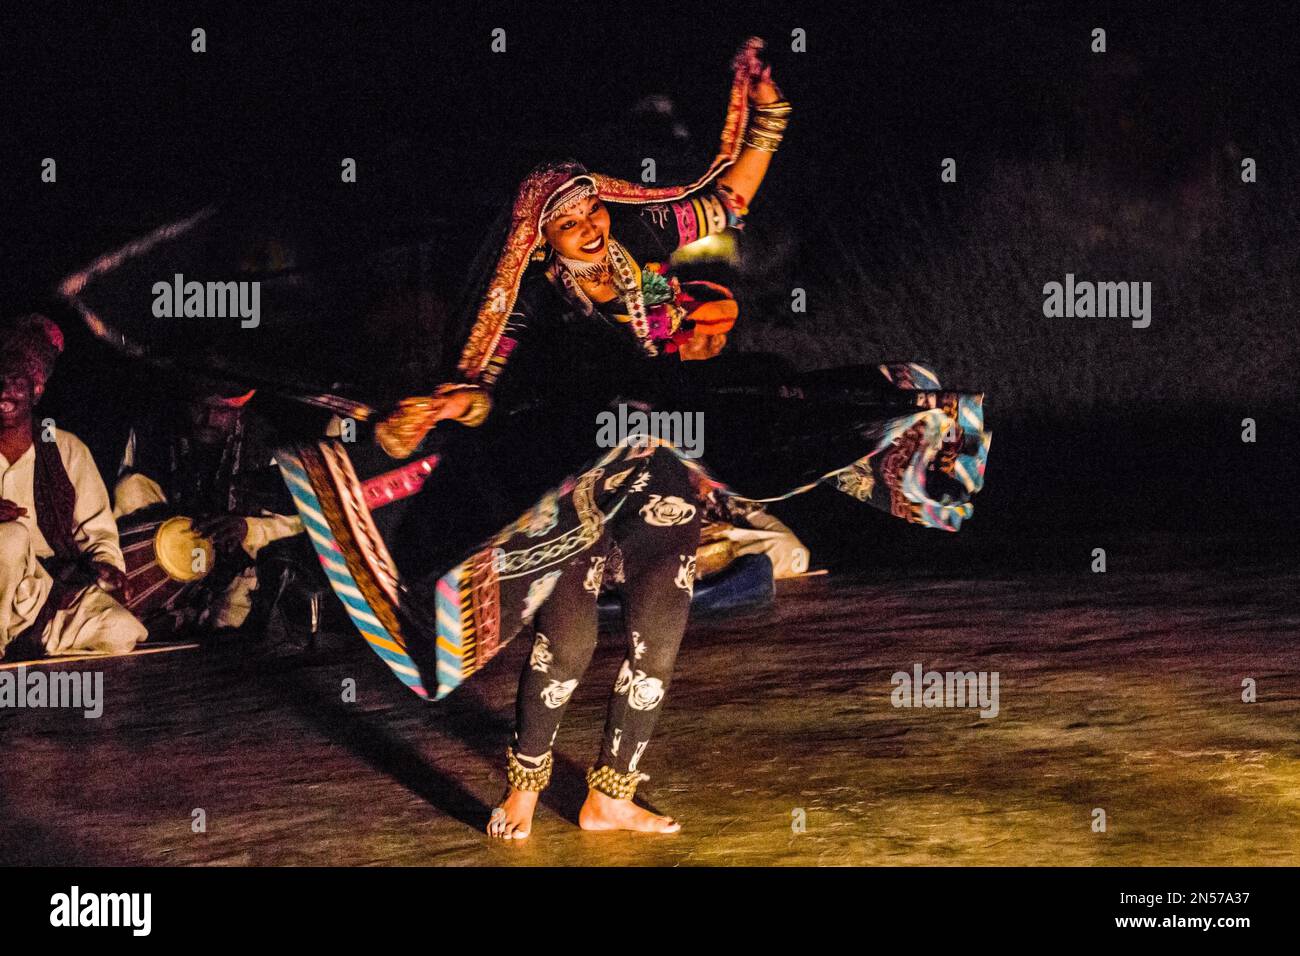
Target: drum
165,560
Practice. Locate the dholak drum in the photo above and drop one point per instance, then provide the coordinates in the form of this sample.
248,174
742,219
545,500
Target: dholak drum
165,560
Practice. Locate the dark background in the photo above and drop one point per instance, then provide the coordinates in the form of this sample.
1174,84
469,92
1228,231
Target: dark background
1120,166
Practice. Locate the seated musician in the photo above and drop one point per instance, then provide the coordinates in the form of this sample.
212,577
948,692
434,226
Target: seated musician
732,529
60,563
210,459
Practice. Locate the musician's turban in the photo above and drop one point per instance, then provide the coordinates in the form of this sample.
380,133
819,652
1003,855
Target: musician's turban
30,345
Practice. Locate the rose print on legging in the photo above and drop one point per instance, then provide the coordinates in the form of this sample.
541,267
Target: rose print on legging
636,755
541,658
647,546
666,511
624,679
686,574
646,692
557,693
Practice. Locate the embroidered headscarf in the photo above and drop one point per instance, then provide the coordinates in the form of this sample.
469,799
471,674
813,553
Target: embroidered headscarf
550,188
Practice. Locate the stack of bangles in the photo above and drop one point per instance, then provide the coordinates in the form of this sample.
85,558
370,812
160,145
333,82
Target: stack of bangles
479,405
402,431
767,125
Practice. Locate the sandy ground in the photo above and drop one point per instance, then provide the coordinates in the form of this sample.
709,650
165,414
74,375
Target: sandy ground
1118,691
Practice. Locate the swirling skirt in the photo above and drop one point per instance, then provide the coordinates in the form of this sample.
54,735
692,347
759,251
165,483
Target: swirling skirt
902,444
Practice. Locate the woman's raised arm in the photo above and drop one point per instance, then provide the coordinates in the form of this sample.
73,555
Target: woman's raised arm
768,119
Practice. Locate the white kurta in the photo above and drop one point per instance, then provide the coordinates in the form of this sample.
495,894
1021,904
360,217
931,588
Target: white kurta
789,555
95,623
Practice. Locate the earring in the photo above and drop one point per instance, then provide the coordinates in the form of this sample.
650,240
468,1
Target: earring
539,253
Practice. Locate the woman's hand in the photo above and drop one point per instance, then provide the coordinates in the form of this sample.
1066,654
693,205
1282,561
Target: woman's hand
439,408
405,427
425,411
762,90
701,347
750,58
747,172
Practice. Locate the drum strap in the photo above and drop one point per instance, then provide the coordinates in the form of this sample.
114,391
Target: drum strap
56,501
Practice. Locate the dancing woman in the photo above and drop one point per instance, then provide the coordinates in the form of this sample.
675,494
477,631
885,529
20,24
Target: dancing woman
595,317
573,314
444,543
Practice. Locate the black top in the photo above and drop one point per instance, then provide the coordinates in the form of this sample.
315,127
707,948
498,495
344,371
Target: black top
566,368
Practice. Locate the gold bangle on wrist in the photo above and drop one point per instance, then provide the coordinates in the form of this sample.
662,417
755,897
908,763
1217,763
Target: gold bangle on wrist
480,402
405,427
479,407
401,432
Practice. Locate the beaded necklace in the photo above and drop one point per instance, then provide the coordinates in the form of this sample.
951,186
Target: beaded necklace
624,278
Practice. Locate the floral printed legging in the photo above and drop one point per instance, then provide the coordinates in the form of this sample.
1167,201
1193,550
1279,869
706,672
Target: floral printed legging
648,550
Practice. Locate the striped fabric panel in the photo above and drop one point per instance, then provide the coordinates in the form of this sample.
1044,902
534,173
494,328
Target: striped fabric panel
700,215
496,363
710,214
340,577
969,469
688,224
923,375
715,214
468,631
450,622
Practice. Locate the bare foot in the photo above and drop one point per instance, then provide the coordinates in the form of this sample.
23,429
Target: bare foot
600,812
513,817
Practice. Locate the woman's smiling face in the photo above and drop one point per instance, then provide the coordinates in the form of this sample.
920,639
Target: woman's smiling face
581,232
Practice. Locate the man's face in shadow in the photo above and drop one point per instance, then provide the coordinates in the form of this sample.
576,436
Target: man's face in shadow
17,397
211,423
